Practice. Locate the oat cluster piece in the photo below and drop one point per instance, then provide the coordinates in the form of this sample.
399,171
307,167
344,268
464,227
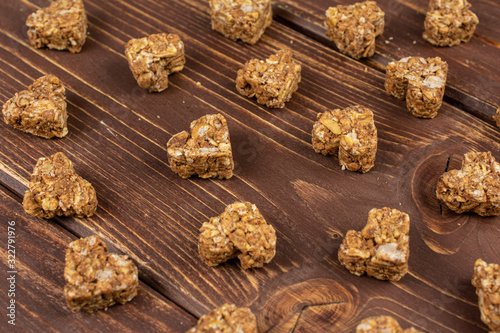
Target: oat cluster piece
205,151
56,190
496,117
449,22
226,319
486,279
61,26
354,28
271,81
241,19
96,280
382,324
381,249
240,231
421,81
153,58
473,188
40,110
350,133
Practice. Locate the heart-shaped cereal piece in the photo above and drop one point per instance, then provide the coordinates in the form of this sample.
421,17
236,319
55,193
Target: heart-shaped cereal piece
381,249
95,279
40,110
350,133
56,189
153,58
240,231
60,26
474,188
421,81
227,318
272,81
206,151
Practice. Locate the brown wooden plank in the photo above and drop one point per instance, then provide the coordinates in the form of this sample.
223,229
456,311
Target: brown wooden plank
473,83
39,250
117,141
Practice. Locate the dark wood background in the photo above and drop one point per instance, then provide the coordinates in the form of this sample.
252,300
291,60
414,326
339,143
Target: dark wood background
117,139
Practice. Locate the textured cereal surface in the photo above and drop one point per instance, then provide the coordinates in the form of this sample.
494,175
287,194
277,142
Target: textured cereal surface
96,280
40,110
271,81
449,22
381,249
382,324
204,151
350,133
486,279
420,81
241,19
61,26
240,231
354,28
226,319
153,58
55,189
473,188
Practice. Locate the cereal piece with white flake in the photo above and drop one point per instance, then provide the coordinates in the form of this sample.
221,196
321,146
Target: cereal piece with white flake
449,22
153,58
272,81
96,280
40,110
350,133
382,324
55,189
381,249
206,151
473,188
421,81
241,19
486,279
227,318
62,25
240,231
354,28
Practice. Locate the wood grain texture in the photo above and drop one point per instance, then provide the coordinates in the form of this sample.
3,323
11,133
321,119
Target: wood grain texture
40,247
117,139
472,81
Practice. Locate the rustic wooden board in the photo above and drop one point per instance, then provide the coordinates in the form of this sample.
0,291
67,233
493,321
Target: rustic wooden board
117,141
39,249
473,83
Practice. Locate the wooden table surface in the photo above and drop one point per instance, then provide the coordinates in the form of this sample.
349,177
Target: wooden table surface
117,140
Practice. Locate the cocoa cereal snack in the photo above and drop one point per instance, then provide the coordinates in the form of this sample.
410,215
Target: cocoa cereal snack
96,280
381,249
61,26
153,58
55,189
473,188
449,22
241,19
40,110
486,279
271,81
350,133
204,151
382,324
354,28
240,231
226,319
420,81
